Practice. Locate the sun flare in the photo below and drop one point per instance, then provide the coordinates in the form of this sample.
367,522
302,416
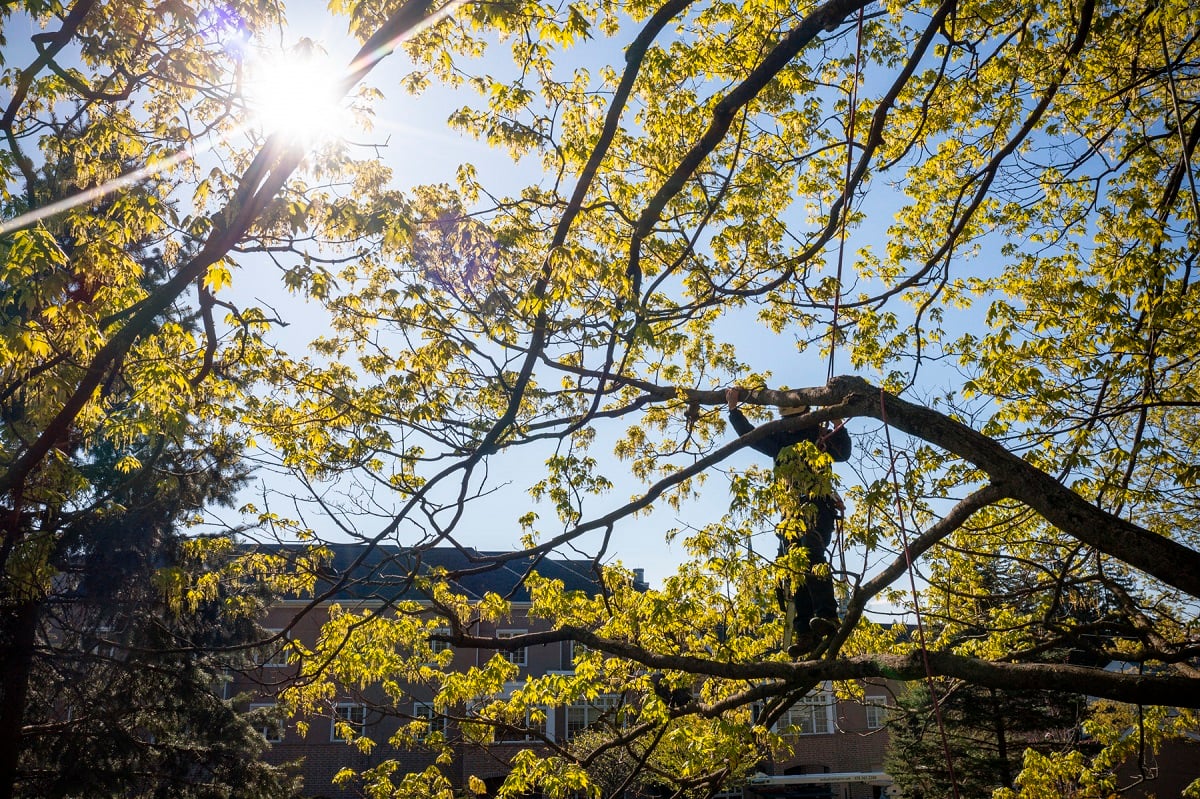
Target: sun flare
298,94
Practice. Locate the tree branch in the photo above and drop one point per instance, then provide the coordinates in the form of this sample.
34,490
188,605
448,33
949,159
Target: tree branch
1131,687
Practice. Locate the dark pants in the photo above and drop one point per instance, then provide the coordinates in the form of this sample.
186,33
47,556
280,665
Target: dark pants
814,596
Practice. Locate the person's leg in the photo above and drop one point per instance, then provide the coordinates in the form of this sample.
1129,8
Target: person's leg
822,603
785,596
796,604
804,638
800,639
804,600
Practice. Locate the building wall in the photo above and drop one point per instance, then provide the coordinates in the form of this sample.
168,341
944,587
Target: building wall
1167,774
845,744
849,743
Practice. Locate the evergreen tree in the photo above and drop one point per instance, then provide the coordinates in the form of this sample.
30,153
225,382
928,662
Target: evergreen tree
986,734
127,686
112,675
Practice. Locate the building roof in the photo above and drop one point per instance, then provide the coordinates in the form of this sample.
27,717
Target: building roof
384,572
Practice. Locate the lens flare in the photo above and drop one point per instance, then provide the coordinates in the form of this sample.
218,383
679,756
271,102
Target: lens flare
309,118
298,94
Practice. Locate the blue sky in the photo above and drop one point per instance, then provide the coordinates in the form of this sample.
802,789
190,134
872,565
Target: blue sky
421,148
411,135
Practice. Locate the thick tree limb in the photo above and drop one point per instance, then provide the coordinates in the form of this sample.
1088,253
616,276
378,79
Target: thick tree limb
1156,555
848,396
1131,687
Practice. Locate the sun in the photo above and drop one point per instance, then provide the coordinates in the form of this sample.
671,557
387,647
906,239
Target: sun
298,94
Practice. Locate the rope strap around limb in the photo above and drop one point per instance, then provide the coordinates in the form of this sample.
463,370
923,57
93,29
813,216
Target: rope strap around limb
912,582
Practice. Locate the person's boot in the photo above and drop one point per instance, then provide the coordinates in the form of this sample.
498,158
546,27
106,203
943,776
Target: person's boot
803,645
822,627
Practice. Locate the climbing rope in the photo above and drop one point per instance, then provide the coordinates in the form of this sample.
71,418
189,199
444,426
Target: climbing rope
833,344
912,583
840,540
852,116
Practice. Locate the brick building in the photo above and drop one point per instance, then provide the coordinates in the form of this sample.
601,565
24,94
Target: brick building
837,746
827,736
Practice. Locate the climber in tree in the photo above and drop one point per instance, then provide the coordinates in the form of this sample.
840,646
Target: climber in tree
808,513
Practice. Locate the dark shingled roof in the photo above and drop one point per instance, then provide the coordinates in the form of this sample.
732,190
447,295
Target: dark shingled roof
382,572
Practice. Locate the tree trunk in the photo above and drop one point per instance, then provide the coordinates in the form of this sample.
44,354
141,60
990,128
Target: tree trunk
15,666
1005,768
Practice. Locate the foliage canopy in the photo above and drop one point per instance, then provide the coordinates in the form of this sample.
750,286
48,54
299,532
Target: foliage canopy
984,210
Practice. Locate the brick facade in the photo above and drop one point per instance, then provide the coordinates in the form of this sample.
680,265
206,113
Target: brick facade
852,739
840,738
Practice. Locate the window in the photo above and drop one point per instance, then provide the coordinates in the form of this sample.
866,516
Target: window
531,728
517,656
582,715
347,718
876,708
274,652
105,647
440,646
812,715
535,722
437,647
437,722
509,725
267,723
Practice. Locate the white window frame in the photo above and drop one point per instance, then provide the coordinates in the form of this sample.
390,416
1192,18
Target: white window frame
810,715
440,646
592,709
518,657
344,712
509,735
876,709
538,731
273,734
106,650
437,722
